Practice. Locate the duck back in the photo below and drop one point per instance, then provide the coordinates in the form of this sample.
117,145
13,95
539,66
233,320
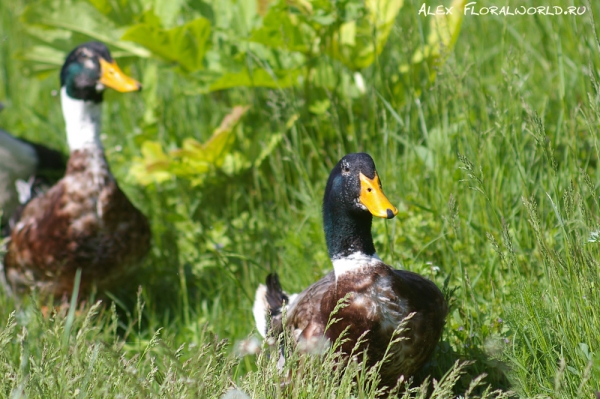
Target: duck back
83,222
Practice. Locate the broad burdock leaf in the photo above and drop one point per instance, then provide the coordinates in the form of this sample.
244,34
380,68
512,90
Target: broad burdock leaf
185,44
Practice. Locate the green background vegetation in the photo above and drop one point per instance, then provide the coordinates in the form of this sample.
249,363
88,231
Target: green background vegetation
488,146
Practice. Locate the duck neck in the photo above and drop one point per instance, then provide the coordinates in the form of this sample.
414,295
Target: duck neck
349,239
83,122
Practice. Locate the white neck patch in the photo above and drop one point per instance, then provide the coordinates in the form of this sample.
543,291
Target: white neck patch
353,262
82,119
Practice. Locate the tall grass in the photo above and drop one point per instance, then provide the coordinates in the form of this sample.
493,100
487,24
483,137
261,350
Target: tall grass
494,169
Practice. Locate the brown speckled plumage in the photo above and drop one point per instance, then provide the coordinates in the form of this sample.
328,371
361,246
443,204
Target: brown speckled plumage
85,221
380,297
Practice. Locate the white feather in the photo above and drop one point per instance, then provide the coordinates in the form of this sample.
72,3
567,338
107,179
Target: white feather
260,310
353,262
23,188
292,299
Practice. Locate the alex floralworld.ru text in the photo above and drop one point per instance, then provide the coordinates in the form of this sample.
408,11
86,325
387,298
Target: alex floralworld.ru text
473,9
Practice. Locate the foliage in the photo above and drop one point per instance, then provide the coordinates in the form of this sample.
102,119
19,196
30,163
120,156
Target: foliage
358,33
443,33
185,44
193,160
493,165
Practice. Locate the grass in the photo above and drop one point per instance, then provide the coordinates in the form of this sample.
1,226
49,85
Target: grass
493,167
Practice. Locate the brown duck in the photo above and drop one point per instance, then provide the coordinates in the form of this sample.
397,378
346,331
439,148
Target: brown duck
379,296
84,221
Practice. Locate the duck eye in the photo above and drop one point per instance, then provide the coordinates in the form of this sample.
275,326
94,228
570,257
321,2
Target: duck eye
369,189
346,169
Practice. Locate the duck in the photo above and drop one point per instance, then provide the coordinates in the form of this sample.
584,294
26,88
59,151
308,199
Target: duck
378,299
85,221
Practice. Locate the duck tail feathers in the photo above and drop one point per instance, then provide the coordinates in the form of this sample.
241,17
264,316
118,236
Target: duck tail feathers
275,296
268,305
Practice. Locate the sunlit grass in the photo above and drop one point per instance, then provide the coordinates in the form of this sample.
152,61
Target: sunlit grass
493,167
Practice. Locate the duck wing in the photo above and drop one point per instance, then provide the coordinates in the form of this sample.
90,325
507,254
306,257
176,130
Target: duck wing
304,314
423,296
302,311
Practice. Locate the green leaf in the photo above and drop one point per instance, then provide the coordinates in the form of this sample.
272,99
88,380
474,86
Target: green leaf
167,10
212,152
348,34
443,33
257,78
358,42
41,59
193,161
104,6
234,163
184,44
382,13
153,166
82,18
319,107
281,30
325,19
58,38
121,12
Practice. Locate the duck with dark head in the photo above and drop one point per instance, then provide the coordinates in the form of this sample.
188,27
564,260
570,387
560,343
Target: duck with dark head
378,297
84,221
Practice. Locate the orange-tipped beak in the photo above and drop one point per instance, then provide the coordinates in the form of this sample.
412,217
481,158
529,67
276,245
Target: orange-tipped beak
112,76
371,196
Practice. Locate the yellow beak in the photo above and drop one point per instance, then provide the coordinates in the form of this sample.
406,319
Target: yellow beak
371,196
112,76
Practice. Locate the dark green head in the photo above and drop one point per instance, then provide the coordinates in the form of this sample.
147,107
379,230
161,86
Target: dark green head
89,69
353,195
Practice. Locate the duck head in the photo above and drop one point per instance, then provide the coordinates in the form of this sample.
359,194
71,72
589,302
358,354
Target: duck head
89,69
353,195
